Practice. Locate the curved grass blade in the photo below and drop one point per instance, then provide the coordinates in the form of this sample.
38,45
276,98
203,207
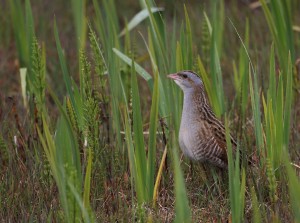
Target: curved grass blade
138,18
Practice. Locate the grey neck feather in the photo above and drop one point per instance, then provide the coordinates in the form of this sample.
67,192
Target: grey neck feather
193,102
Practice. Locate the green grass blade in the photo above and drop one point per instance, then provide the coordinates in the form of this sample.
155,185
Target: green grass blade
272,78
256,212
152,137
255,103
141,71
294,188
132,164
138,136
183,213
278,17
138,18
159,40
217,80
18,25
63,65
77,196
206,81
288,104
78,10
74,147
163,108
237,183
188,57
87,181
29,25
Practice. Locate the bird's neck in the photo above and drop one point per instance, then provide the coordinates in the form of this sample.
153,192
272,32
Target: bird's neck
194,100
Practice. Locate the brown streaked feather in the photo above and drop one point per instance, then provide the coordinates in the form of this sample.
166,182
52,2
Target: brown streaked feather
217,131
217,128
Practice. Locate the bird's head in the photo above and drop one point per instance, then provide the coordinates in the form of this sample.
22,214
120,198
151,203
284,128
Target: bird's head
187,80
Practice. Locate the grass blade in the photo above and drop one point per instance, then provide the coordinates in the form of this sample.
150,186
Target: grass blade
138,18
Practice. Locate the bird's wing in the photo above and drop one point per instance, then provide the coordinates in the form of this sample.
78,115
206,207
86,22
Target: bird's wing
216,136
216,127
218,130
210,144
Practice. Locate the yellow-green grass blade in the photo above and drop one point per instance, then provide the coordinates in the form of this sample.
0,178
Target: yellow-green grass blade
159,176
256,212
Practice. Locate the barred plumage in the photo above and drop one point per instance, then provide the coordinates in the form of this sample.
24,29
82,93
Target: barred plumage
201,135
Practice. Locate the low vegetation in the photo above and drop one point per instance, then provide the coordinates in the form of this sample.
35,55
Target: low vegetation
89,121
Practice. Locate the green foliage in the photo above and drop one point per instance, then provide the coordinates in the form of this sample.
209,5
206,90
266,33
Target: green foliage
272,181
138,18
142,166
23,27
218,25
63,166
256,212
152,138
85,76
294,188
105,148
136,145
206,41
277,132
91,123
213,82
17,17
279,17
91,143
241,75
182,210
98,60
31,54
38,73
237,180
63,64
138,138
78,9
255,104
73,117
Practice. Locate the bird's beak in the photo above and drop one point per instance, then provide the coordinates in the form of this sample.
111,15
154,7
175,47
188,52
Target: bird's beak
173,76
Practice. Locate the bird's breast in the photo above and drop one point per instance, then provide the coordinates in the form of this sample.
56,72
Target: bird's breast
189,138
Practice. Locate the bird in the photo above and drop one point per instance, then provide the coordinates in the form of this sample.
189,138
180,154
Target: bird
201,134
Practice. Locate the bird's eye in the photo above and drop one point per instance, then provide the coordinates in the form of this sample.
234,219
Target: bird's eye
184,75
